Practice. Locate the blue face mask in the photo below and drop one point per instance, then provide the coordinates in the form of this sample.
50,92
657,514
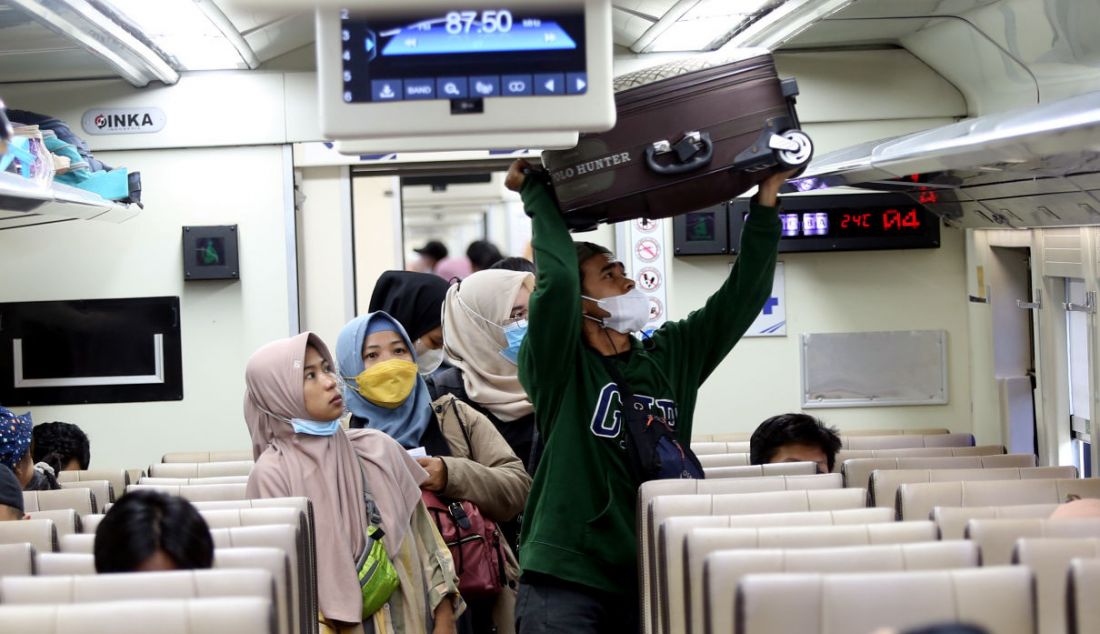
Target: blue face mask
315,428
514,333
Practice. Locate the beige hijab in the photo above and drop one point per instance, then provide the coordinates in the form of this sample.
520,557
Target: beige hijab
473,337
325,469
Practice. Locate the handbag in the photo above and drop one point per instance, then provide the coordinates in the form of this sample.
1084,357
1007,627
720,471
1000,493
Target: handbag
377,575
652,449
475,541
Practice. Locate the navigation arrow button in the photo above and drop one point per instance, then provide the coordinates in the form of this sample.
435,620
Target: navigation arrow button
550,84
577,83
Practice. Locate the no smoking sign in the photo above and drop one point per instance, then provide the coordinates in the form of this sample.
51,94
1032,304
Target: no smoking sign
647,250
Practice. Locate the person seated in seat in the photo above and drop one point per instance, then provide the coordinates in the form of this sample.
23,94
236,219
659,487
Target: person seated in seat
795,438
15,452
62,446
1076,507
149,531
361,483
467,457
11,496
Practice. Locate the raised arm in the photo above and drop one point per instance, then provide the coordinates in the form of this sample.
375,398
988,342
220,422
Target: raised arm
704,338
554,313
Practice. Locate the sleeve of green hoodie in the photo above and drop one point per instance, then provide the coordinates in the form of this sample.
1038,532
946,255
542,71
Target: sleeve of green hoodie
550,351
694,346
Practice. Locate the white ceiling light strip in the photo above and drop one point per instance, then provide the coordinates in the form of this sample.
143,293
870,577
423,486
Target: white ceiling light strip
194,33
78,20
783,23
701,25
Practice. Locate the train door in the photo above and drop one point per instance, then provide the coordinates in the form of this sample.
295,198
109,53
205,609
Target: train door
1009,275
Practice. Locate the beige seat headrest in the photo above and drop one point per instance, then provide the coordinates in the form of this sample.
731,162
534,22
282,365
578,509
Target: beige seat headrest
863,602
240,615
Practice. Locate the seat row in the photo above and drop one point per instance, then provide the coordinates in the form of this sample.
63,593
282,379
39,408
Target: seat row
682,523
275,535
854,443
744,436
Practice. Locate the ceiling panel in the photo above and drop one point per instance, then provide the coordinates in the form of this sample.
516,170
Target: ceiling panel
627,28
863,32
30,51
894,8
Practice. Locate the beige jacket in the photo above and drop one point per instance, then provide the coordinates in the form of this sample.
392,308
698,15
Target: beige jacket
491,476
496,482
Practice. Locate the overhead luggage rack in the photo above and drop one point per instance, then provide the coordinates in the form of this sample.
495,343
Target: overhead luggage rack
24,203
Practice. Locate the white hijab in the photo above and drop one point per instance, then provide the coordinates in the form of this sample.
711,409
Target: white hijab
473,336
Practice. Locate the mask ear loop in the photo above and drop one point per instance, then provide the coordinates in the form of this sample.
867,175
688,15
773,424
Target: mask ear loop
469,309
598,320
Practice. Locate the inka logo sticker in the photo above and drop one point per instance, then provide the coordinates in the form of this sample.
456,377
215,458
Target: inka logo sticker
123,121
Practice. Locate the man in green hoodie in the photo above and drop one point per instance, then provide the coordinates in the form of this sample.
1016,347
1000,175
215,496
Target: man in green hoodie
578,548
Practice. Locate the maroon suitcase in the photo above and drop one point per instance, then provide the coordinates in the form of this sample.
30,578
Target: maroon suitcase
690,134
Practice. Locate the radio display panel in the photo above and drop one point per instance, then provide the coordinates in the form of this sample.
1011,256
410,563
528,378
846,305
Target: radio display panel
461,53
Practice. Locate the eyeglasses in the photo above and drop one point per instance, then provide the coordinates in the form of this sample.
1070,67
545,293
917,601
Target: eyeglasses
518,315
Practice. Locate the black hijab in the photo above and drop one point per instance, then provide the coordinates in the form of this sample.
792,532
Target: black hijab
415,300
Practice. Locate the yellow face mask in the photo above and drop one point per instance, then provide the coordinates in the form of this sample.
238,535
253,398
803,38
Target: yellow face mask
389,383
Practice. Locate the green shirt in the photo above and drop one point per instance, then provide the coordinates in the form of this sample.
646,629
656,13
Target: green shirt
580,517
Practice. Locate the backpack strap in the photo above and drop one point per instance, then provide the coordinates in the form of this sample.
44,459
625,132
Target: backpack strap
624,386
462,426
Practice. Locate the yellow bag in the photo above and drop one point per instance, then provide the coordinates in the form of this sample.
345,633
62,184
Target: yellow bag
377,575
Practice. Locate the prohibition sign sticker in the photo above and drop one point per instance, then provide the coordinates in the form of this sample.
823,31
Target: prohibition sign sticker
647,250
656,309
649,279
646,225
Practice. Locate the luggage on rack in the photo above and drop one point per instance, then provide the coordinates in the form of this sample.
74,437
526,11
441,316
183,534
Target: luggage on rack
690,134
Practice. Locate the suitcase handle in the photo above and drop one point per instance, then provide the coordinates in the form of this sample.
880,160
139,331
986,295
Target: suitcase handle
701,158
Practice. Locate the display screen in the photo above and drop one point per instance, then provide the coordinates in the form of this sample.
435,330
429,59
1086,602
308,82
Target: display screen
846,222
700,226
463,54
862,222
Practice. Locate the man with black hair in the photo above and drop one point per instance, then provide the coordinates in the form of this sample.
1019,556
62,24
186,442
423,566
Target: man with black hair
63,446
795,438
431,254
149,531
482,255
579,546
515,263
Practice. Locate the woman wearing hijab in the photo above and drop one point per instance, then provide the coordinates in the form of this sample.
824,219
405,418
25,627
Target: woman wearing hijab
484,323
467,459
415,300
362,485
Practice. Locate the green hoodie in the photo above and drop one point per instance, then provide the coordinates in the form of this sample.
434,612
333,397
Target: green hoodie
579,522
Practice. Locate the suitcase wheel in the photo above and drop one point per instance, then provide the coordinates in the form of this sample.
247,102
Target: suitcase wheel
793,148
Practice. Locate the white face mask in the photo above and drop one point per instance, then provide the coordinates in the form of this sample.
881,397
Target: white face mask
427,359
628,312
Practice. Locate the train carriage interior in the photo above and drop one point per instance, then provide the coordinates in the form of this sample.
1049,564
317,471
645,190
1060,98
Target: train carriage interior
843,254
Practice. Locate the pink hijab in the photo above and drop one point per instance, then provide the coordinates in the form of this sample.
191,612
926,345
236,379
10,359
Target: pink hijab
325,469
